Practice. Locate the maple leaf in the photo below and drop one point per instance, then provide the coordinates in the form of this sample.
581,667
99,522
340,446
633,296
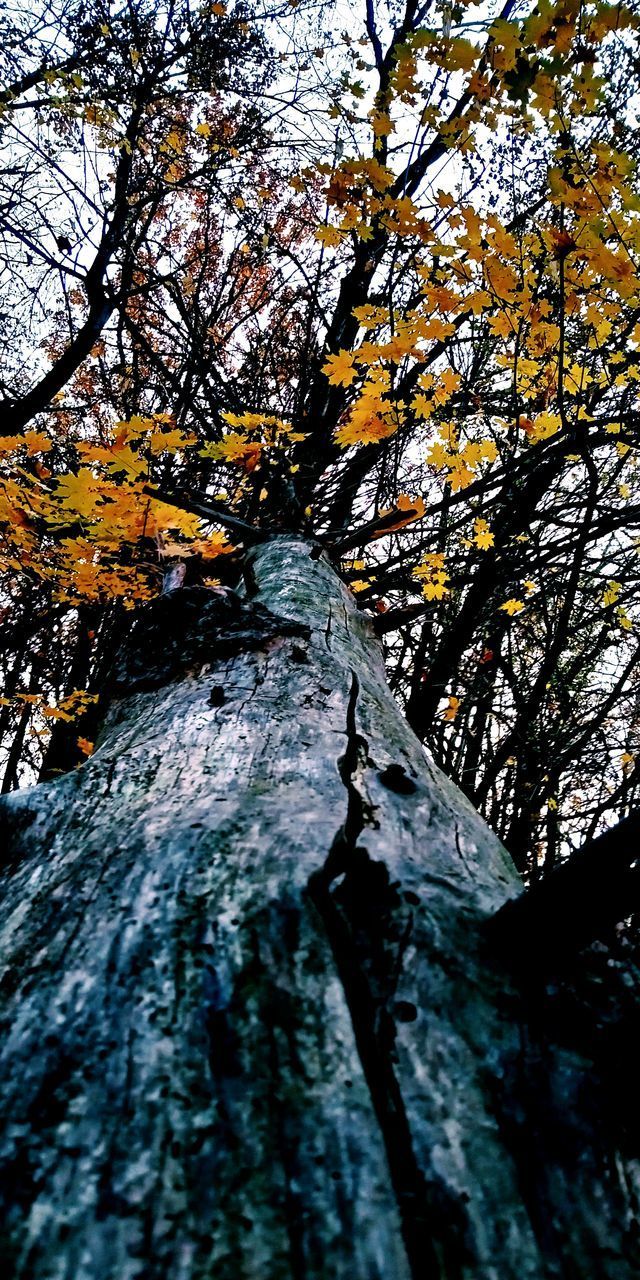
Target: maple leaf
37,442
422,406
483,537
33,441
448,382
439,455
217,544
432,574
364,429
381,123
234,448
512,606
414,507
461,475
610,595
544,426
369,317
329,236
461,55
77,493
55,713
340,369
450,712
171,441
501,325
9,444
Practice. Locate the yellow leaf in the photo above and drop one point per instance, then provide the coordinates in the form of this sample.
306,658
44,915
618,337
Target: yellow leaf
8,444
329,236
610,595
78,493
460,476
414,507
501,325
370,317
461,55
448,382
431,573
175,142
340,369
381,123
512,606
483,537
544,426
234,448
439,455
422,406
171,441
364,429
209,548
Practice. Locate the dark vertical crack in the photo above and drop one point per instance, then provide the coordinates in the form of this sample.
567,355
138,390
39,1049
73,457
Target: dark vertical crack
366,924
348,764
460,849
327,631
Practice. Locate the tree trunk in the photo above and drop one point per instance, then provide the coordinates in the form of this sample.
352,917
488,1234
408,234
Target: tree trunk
251,1028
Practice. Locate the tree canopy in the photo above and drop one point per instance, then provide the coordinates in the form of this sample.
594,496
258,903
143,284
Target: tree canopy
367,276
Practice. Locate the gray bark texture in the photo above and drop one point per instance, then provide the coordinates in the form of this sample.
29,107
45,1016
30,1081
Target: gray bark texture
251,1027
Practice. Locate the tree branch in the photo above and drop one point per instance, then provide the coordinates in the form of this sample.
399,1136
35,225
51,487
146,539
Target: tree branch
200,506
577,903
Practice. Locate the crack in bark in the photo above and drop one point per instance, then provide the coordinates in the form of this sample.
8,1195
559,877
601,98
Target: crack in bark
327,632
456,832
356,900
348,764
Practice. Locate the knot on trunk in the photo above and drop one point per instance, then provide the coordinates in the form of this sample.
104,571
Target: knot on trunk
187,628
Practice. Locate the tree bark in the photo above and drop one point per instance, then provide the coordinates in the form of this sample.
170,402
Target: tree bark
251,1025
